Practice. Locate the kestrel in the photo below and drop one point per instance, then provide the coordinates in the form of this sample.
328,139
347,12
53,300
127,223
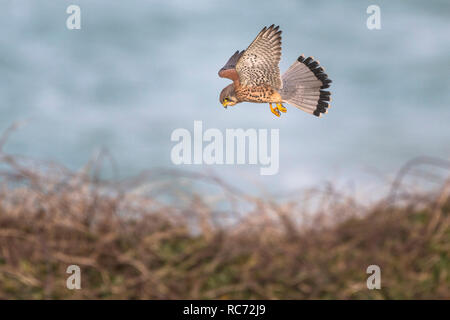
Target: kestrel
256,78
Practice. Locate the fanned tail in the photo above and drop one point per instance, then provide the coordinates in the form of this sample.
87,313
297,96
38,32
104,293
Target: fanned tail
303,85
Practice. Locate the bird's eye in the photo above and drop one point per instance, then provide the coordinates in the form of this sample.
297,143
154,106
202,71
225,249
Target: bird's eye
225,100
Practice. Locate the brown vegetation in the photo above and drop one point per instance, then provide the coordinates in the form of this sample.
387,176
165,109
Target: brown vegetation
135,240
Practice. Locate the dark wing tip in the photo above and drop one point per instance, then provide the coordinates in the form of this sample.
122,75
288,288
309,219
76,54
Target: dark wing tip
270,29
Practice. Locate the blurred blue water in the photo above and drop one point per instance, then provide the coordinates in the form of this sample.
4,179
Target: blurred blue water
137,70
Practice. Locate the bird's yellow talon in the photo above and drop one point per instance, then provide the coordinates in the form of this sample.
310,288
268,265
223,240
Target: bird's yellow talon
274,110
281,108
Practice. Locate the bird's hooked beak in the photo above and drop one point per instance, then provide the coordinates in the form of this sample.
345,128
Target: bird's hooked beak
225,103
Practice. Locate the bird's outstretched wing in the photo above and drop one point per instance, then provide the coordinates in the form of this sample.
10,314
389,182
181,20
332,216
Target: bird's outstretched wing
258,65
229,69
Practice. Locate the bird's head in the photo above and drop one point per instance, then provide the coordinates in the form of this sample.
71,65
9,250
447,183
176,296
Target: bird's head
228,96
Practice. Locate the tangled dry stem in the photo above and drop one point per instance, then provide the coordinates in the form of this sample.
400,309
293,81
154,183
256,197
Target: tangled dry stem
143,238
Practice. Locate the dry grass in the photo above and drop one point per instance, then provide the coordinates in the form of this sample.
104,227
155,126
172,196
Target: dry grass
146,239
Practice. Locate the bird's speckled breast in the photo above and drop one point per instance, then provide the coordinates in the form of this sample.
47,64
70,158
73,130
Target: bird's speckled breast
261,94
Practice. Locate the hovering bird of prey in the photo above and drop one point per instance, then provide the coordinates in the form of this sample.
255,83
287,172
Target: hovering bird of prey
256,78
